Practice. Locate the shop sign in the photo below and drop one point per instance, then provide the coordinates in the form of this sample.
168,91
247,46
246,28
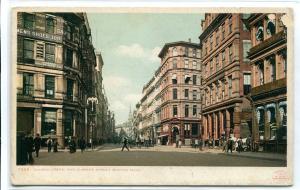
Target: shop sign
39,35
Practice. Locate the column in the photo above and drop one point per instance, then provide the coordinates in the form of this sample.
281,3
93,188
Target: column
255,129
227,123
37,121
204,135
267,125
75,124
59,128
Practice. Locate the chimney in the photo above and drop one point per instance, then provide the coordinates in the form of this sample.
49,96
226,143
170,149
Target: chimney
190,40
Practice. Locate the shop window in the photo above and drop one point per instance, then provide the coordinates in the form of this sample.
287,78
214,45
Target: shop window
68,128
50,53
49,122
49,86
195,129
187,130
28,84
50,24
29,21
70,85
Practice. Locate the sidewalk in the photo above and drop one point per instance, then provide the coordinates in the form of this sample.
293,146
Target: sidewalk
66,149
260,155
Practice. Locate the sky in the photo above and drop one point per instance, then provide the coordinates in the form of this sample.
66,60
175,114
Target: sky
129,45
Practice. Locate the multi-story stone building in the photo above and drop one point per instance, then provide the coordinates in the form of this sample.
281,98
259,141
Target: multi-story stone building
268,58
55,66
180,80
226,73
150,109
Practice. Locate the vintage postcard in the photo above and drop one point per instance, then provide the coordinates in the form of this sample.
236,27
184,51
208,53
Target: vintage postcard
152,96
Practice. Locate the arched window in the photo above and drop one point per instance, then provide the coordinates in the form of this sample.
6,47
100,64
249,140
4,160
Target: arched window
271,25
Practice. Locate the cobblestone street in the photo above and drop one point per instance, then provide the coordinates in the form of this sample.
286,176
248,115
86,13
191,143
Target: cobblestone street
155,156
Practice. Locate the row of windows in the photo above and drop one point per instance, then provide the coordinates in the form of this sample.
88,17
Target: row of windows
44,51
220,32
28,86
273,64
186,94
186,111
195,65
29,22
187,79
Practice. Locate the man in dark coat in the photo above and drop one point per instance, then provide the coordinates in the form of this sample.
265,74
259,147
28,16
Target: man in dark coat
82,144
125,142
37,144
29,148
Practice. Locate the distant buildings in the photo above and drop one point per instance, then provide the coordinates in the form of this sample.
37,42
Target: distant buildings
268,59
55,75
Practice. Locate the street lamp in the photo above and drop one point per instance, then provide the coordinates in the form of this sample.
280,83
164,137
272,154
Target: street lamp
93,100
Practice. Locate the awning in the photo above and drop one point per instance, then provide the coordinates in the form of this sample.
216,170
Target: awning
186,77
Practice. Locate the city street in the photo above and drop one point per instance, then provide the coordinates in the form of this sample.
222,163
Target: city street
153,156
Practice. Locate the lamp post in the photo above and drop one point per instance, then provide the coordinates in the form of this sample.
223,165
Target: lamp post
93,100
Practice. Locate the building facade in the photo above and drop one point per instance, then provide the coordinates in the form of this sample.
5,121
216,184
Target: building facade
55,66
149,109
226,73
180,81
268,58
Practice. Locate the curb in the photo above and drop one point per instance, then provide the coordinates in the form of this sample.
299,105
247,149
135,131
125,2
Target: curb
254,157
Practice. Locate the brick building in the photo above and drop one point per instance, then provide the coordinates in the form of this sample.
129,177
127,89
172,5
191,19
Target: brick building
268,58
226,73
180,80
55,66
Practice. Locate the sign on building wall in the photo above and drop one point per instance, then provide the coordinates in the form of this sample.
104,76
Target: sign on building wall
39,35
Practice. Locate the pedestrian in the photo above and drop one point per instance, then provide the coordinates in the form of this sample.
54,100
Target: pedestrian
125,142
29,148
37,144
230,145
200,144
55,144
142,141
248,143
49,144
240,143
225,145
72,145
82,144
